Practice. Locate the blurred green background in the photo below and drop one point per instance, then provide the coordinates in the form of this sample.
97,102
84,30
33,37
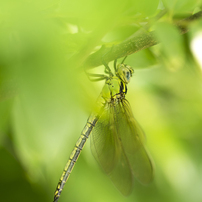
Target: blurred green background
46,98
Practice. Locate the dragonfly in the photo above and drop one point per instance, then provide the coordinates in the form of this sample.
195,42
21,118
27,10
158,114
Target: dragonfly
117,139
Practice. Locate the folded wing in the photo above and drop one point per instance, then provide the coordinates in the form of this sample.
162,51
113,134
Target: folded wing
117,145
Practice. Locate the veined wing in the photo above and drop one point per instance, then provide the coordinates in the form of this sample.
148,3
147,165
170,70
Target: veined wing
104,142
131,136
107,150
116,143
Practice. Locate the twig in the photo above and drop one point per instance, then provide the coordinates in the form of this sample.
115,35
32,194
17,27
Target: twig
134,44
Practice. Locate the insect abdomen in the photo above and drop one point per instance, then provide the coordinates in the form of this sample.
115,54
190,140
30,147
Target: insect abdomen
75,154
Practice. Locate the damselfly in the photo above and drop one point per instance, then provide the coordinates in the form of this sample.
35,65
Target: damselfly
117,140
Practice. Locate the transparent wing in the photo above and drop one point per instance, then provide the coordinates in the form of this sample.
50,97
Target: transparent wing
107,150
104,141
117,144
122,176
132,136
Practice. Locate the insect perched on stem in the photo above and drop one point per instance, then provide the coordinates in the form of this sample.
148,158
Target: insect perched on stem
117,140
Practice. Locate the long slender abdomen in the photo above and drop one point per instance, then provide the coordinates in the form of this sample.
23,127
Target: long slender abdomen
92,120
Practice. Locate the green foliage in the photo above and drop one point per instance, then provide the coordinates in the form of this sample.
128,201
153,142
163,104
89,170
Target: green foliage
172,53
45,97
181,6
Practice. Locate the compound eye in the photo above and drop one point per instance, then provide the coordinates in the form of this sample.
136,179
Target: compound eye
124,72
128,76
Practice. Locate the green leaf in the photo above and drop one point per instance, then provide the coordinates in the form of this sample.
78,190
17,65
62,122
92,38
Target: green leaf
178,6
171,45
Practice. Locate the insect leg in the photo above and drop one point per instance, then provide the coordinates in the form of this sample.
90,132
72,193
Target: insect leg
115,61
107,69
124,59
100,77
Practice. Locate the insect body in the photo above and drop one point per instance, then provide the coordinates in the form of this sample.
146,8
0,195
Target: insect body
117,140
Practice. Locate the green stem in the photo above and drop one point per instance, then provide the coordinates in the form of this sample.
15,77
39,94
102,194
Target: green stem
134,44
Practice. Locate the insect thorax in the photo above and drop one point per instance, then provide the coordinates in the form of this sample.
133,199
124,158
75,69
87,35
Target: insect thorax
114,88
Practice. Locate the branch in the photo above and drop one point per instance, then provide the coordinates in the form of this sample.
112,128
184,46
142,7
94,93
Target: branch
132,45
183,24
